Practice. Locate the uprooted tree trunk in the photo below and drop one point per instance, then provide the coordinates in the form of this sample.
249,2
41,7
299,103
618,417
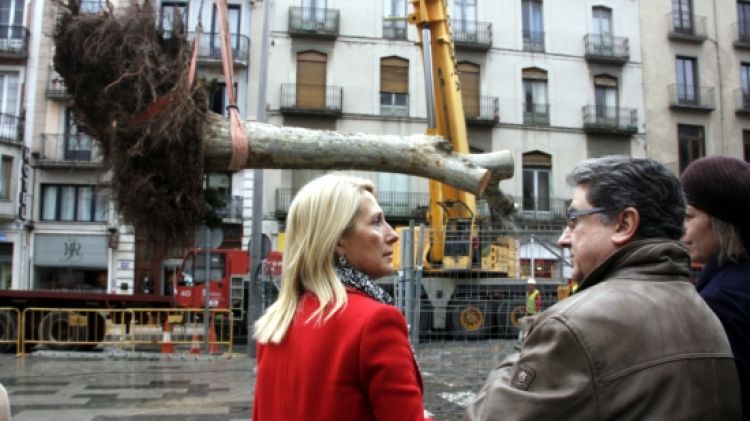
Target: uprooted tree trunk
117,65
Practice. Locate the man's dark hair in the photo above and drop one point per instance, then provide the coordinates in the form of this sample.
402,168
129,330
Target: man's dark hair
617,182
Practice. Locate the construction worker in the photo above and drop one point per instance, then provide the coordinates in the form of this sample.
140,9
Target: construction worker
533,298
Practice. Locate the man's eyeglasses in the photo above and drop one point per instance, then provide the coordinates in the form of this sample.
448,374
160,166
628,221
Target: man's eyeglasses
572,215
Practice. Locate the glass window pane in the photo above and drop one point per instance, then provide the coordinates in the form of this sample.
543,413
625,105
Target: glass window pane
49,200
101,206
84,203
67,203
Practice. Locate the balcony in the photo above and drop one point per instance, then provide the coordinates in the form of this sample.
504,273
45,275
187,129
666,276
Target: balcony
610,120
606,49
547,211
394,30
686,27
11,128
316,22
56,88
481,110
69,151
394,104
536,114
395,205
742,33
471,35
316,100
742,102
232,210
209,48
533,41
691,98
14,41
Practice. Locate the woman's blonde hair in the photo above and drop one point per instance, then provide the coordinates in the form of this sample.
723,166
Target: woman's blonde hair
318,216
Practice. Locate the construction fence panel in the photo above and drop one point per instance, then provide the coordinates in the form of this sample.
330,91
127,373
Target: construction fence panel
10,331
144,329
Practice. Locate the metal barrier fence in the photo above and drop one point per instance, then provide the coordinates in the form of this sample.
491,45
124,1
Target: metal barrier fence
164,330
9,329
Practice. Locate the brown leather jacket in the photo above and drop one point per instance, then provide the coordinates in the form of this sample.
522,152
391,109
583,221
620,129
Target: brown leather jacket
636,342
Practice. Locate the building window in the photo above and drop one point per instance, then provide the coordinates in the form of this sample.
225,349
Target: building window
217,99
172,12
6,172
394,28
602,41
11,14
465,19
745,84
746,144
9,105
682,16
468,74
687,80
311,80
73,203
743,20
691,144
394,86
314,11
533,32
77,146
605,93
233,29
537,169
535,106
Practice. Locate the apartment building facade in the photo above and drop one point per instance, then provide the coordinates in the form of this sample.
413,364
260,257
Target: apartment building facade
696,60
553,82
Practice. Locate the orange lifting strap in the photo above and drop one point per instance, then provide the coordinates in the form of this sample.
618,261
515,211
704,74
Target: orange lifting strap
236,129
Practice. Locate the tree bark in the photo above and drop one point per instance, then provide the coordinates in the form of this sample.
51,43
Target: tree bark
275,147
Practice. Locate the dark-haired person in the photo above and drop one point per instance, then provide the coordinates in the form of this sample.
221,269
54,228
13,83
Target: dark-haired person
636,341
717,233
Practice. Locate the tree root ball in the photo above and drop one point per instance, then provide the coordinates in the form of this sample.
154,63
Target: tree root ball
117,64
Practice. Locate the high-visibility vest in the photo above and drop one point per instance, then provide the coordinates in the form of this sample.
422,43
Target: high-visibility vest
531,302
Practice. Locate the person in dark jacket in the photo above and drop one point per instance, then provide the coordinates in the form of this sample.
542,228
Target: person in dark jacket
717,234
636,341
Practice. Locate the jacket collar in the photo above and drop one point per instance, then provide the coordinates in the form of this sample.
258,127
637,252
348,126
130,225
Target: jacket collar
651,260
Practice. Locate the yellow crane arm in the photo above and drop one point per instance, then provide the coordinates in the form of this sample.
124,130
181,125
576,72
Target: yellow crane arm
445,113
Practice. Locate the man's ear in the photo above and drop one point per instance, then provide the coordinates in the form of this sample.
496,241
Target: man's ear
627,224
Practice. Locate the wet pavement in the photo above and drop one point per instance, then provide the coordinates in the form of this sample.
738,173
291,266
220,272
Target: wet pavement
119,386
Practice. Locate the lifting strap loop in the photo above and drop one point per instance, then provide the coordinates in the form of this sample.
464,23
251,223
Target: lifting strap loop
236,129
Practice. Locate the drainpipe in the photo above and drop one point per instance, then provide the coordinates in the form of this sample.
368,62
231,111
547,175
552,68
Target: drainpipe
723,144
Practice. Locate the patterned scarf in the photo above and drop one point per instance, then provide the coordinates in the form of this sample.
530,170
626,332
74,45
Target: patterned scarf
353,278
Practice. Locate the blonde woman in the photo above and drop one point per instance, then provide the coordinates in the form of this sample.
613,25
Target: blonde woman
333,347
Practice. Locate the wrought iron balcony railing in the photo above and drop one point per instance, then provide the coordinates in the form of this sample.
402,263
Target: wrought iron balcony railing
543,208
471,34
209,47
10,127
56,88
533,40
536,114
481,109
742,101
686,27
61,149
741,30
691,97
314,21
14,41
232,209
398,205
315,99
394,30
606,48
614,120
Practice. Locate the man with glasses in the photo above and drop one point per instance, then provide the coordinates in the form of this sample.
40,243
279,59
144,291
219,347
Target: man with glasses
636,341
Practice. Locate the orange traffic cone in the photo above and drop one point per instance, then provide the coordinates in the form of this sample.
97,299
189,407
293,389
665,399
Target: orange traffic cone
213,347
166,339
